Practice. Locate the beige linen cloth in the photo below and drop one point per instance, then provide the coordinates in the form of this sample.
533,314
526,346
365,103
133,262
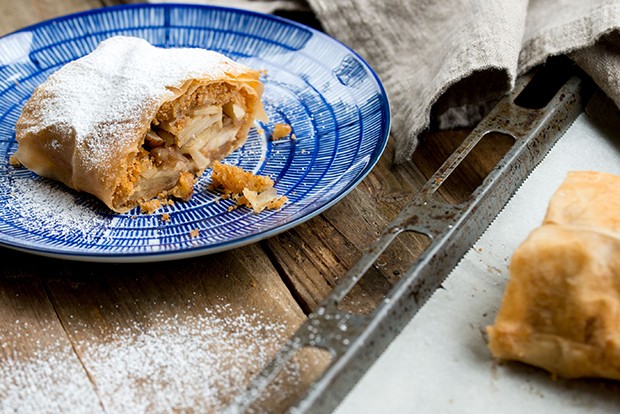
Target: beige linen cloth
447,61
443,60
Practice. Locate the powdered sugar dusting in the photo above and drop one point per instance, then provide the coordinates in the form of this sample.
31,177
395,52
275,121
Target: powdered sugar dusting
40,373
104,97
188,363
38,205
36,385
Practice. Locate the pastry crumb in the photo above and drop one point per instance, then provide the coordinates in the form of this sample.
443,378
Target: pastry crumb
194,233
151,206
266,200
277,203
280,131
164,198
231,180
165,217
246,188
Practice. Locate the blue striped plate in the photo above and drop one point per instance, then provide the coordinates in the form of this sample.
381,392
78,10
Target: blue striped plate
333,100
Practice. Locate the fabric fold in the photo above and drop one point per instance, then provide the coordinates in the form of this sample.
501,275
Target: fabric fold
447,62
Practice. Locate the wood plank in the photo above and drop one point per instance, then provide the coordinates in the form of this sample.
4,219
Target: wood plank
39,370
158,337
165,337
17,14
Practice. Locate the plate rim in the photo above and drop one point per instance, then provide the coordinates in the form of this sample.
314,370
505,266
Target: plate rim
154,256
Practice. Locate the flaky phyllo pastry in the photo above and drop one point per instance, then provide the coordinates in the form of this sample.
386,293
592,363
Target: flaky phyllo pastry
561,308
130,122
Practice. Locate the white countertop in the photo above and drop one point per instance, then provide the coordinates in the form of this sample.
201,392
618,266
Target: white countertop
440,362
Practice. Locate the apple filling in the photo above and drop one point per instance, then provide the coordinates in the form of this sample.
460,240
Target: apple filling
187,135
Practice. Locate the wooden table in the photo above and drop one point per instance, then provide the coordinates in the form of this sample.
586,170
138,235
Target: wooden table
183,335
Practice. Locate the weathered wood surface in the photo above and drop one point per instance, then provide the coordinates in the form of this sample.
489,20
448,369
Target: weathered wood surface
63,324
15,14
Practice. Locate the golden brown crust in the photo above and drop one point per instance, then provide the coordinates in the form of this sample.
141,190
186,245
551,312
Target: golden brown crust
561,308
587,199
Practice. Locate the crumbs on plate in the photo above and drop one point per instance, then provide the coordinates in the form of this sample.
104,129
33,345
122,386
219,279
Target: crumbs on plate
280,131
246,188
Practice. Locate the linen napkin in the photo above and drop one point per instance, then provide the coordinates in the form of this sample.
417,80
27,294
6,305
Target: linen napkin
445,63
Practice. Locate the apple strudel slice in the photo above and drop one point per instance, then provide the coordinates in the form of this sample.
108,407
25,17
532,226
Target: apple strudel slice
131,122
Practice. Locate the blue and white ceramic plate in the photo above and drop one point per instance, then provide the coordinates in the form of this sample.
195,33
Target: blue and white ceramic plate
333,100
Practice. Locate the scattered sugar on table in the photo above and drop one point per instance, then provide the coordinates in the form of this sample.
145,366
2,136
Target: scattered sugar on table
181,363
